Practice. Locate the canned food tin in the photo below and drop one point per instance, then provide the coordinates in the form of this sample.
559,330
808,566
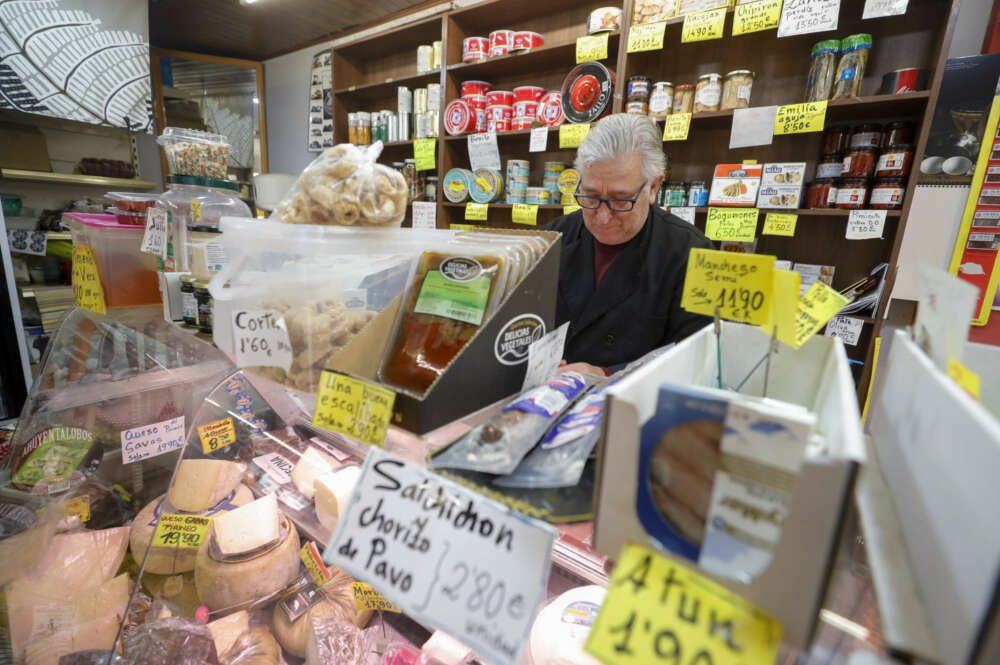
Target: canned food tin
436,59
475,49
497,112
568,180
405,121
518,167
498,125
698,194
433,96
486,186
425,58
480,120
475,88
528,93
641,108
459,117
910,79
477,101
525,40
550,110
537,195
456,185
554,167
587,92
604,19
525,109
661,99
500,42
520,124
637,87
420,100
515,195
404,100
500,98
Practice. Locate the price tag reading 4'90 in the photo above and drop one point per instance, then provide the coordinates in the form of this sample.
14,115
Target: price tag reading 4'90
740,285
353,407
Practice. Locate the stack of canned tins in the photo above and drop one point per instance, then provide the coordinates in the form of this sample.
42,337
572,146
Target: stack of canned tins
518,173
486,186
456,185
550,181
428,57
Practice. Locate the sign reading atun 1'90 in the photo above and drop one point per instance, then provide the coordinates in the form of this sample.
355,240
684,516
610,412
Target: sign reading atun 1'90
511,345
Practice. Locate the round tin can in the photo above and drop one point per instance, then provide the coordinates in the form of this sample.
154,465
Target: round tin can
537,195
525,40
420,100
459,117
475,88
518,167
475,49
404,100
910,79
568,180
587,92
519,124
425,58
515,196
499,125
550,111
525,109
500,98
528,93
456,185
497,112
604,19
500,42
486,186
477,101
480,120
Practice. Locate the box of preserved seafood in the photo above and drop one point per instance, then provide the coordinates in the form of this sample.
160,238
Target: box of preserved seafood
781,185
735,185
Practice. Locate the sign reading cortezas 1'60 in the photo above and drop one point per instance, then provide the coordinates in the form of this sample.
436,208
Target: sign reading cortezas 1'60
448,557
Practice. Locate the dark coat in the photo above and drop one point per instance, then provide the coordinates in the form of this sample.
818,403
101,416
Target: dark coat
638,305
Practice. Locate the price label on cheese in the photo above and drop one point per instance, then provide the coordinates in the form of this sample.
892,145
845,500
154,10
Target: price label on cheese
800,118
800,17
648,37
141,443
367,598
570,136
846,328
87,290
524,213
733,224
476,211
449,557
567,210
423,153
660,611
756,16
353,407
154,237
816,306
780,224
704,25
592,47
740,285
964,377
319,573
676,127
217,435
260,338
865,224
186,532
76,507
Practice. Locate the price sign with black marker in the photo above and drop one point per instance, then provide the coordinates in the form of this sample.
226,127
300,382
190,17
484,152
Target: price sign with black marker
448,557
800,17
350,406
739,285
260,339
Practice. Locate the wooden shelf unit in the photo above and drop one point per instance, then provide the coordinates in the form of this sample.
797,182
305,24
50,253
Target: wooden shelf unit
75,179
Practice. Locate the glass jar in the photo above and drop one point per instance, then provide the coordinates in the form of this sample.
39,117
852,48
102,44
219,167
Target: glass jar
822,67
830,166
204,299
736,89
364,127
189,304
835,139
684,98
822,193
430,188
661,100
868,135
708,93
897,133
859,163
895,162
413,187
698,194
852,193
887,194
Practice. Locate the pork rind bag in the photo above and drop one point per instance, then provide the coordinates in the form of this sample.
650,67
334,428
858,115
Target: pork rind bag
345,187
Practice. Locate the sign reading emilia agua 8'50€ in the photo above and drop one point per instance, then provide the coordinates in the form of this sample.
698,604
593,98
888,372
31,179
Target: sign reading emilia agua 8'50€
447,556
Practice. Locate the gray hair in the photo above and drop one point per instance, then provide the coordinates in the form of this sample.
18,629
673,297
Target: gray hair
623,134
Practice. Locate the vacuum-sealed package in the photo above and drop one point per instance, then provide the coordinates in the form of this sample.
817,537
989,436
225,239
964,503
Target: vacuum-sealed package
344,187
498,445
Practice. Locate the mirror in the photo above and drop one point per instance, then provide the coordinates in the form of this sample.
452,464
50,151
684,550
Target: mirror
215,94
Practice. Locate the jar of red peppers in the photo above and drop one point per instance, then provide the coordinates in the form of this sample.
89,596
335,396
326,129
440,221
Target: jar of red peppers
830,166
897,133
859,163
835,140
822,193
887,194
866,135
895,162
852,193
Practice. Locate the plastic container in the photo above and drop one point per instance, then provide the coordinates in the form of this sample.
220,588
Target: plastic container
130,202
128,276
822,68
129,218
195,153
192,203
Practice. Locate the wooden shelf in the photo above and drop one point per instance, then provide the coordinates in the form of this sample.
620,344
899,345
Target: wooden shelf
385,88
493,14
539,59
75,179
504,206
518,133
807,212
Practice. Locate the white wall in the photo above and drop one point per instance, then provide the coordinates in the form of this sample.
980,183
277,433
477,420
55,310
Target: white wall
973,18
286,95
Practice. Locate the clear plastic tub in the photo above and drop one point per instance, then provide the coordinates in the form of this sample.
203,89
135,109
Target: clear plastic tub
192,152
128,277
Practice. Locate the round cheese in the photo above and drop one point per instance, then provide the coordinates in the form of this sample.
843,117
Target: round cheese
173,560
232,584
339,602
333,492
561,629
256,646
312,465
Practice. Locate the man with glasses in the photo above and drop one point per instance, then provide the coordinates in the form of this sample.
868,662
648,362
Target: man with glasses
623,257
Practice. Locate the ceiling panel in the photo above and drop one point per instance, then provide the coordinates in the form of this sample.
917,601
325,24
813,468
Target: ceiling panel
263,29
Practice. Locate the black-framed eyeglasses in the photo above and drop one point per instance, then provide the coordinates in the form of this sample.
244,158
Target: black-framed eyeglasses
614,205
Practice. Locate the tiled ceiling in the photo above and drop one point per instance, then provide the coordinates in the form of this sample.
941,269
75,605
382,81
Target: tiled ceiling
263,29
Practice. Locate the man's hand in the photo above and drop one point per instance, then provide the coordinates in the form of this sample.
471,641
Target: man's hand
582,368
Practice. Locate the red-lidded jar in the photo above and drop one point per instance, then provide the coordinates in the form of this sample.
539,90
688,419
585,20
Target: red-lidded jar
830,166
868,135
887,194
852,193
895,162
897,133
835,139
859,163
822,193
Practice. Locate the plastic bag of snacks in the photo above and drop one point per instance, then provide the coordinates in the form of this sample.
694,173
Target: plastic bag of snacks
343,187
192,152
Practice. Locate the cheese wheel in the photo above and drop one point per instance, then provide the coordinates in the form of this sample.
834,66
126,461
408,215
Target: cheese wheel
227,630
312,465
339,602
256,646
96,634
199,484
560,630
232,584
173,560
333,492
248,528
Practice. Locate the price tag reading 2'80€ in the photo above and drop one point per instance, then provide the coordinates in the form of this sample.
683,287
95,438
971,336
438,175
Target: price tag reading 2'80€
448,557
350,406
740,285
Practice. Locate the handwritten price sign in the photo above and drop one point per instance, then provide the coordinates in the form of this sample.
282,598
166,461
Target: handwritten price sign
476,211
735,225
756,16
570,136
524,213
703,26
676,127
423,153
800,118
816,306
87,289
353,407
648,37
184,532
780,224
367,598
260,339
800,17
740,285
593,47
217,435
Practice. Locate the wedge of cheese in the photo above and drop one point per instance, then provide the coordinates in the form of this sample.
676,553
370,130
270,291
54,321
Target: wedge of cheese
248,527
96,634
201,483
333,492
227,630
311,466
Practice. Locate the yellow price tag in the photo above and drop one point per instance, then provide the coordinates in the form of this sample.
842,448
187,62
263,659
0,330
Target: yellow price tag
571,135
77,506
476,211
568,210
780,224
87,290
740,285
964,377
676,127
186,532
658,610
359,409
648,37
800,118
423,152
196,210
756,16
704,25
733,224
784,305
465,227
524,213
217,435
367,598
319,573
592,47
816,306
